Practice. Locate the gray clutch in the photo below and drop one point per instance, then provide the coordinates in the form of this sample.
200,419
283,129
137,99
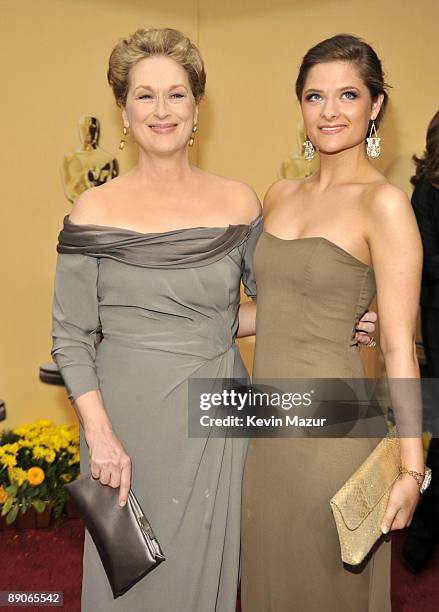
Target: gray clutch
123,536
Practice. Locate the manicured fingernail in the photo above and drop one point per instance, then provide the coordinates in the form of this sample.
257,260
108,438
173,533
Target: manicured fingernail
123,502
385,529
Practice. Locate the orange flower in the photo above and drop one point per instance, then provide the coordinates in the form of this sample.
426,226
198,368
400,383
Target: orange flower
3,495
35,475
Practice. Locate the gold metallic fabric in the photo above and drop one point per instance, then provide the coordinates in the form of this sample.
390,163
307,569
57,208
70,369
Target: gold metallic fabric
359,506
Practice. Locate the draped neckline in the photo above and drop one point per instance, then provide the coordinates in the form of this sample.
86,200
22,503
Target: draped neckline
114,228
178,248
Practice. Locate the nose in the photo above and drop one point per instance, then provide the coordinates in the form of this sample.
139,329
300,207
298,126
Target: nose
161,109
330,109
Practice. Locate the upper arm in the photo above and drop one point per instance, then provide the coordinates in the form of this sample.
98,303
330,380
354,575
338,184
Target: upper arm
75,321
247,203
396,252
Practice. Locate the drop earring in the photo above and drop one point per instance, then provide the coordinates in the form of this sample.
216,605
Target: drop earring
373,148
308,149
125,131
192,138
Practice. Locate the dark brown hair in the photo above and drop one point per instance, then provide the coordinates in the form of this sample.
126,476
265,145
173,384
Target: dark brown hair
347,48
428,165
153,42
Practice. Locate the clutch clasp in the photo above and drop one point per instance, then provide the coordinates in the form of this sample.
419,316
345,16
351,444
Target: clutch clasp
146,527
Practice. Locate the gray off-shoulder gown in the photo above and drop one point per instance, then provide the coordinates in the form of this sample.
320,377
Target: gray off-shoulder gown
167,304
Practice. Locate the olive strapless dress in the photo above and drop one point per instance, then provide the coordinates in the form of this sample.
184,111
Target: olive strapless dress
309,293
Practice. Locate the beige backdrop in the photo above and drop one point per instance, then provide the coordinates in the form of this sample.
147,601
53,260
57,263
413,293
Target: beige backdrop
53,66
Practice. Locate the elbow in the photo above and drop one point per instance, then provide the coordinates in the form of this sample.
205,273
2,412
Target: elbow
401,347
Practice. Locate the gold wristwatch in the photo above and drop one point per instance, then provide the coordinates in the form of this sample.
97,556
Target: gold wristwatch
423,480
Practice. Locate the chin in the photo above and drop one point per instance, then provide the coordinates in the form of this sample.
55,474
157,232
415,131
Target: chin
338,145
167,149
336,148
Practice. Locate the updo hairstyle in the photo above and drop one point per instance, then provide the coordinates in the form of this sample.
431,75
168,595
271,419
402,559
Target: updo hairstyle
347,48
151,42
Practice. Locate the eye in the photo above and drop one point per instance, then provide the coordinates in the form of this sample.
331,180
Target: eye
145,97
350,95
312,97
177,95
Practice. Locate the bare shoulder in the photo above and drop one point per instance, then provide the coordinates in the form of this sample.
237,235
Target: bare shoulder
88,207
93,205
387,202
246,201
279,191
240,200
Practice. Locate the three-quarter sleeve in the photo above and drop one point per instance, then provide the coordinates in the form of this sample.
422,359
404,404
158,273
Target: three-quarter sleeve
248,274
75,321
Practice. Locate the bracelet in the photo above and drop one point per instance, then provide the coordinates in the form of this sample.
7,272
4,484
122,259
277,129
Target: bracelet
423,480
418,476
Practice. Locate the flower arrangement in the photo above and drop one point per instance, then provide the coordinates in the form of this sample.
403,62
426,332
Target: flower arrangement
35,462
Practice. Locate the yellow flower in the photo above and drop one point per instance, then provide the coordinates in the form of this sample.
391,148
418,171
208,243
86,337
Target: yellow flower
25,443
35,475
74,459
17,475
39,452
50,456
3,495
8,460
74,433
11,448
65,477
20,431
44,423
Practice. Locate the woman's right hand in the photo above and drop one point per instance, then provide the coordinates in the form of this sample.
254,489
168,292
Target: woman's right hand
109,461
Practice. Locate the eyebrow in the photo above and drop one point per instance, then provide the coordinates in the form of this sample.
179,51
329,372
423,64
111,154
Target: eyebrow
150,88
339,89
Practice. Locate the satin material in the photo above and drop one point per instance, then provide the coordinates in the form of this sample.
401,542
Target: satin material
123,536
170,317
181,248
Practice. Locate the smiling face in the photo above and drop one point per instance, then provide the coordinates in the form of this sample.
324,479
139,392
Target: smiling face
337,106
160,108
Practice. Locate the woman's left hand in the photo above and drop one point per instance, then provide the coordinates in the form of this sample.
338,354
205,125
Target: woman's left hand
404,498
365,326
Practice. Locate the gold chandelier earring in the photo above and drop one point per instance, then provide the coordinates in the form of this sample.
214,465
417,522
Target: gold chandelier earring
125,131
308,149
373,148
192,138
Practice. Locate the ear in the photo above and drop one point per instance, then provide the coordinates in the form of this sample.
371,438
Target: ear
376,106
196,115
125,117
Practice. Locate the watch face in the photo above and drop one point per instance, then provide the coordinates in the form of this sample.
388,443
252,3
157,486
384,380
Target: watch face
427,480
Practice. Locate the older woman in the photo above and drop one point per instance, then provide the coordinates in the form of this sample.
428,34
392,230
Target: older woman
155,259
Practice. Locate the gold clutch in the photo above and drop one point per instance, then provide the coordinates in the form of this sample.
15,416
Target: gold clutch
359,506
